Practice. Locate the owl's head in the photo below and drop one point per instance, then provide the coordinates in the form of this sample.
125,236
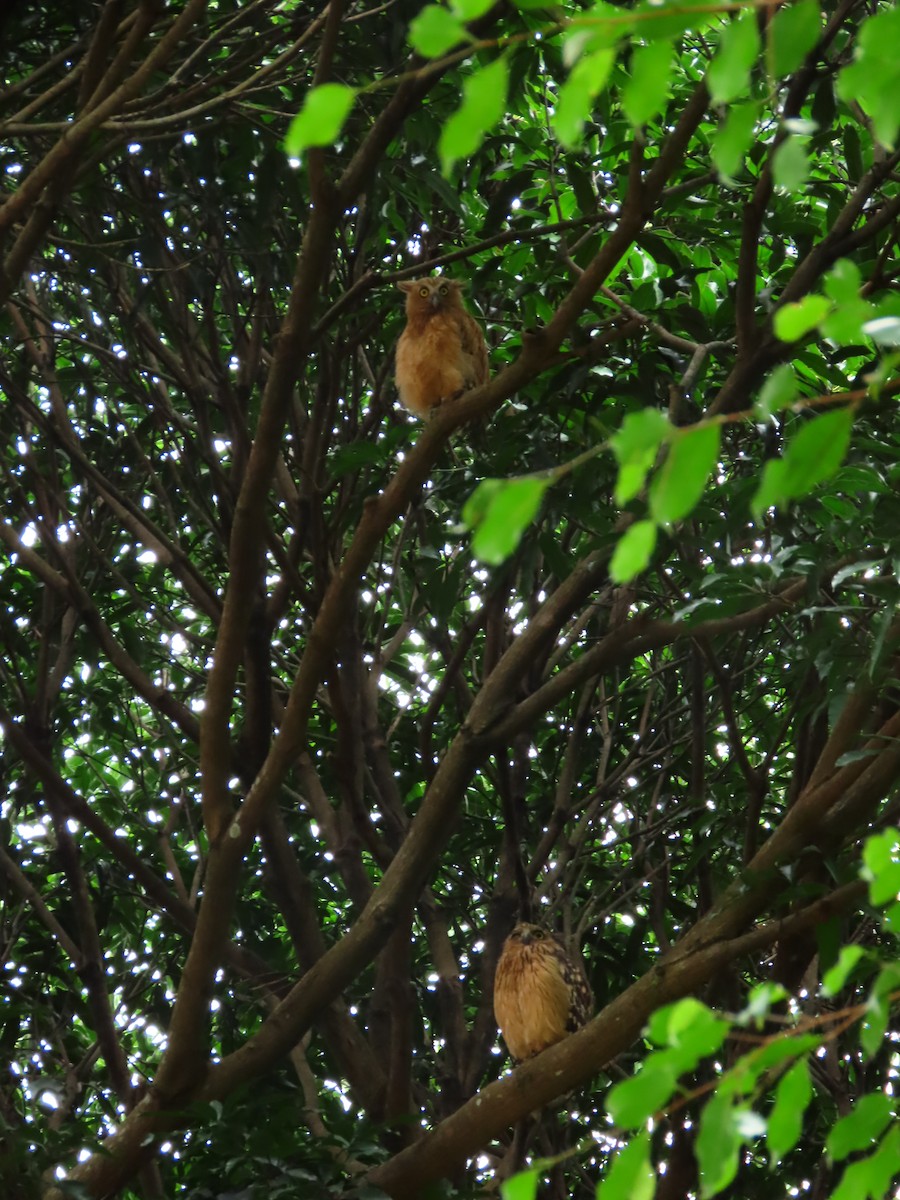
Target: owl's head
527,933
426,296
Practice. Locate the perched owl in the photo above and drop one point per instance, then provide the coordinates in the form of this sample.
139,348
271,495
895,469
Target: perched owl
441,351
540,992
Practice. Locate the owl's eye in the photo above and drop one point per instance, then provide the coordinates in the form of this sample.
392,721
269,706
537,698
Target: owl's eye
423,291
538,934
444,289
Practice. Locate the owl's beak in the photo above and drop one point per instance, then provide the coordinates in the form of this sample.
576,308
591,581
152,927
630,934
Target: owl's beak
435,299
526,937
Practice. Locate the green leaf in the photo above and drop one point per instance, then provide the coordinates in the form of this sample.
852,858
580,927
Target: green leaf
778,391
670,18
838,975
813,455
606,27
646,429
760,1002
353,456
630,1176
794,321
853,151
847,321
689,1023
630,480
647,90
890,918
321,118
777,1051
689,1031
634,1100
476,507
633,551
500,511
733,139
679,483
435,30
790,164
871,1177
793,32
573,106
729,72
484,102
785,1122
635,446
852,756
470,9
862,1127
718,1144
873,79
881,866
875,1022
521,1187
843,281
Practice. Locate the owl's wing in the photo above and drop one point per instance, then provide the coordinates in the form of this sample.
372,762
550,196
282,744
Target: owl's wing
581,1007
474,349
581,1000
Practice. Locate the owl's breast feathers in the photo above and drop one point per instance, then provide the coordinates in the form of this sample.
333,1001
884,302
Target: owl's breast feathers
540,995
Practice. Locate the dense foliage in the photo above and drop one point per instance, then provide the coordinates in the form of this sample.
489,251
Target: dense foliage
303,702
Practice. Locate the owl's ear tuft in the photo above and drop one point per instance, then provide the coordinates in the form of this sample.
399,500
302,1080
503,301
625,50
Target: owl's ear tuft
406,285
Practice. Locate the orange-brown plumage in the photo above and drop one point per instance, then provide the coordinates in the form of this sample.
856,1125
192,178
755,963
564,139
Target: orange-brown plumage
540,992
442,351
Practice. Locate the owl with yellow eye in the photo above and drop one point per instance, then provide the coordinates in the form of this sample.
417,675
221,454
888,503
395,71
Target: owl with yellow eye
541,993
441,352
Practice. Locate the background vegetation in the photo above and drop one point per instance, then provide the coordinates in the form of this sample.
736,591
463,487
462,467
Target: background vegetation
286,749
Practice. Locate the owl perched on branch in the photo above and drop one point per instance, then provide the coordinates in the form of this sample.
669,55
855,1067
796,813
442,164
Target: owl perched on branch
442,351
540,992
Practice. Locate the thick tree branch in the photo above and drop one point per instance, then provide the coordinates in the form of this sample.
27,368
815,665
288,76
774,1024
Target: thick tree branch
578,1058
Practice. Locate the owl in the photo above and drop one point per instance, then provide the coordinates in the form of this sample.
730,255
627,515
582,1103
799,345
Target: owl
541,994
441,352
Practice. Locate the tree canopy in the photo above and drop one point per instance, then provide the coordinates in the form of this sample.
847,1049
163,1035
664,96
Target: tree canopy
303,702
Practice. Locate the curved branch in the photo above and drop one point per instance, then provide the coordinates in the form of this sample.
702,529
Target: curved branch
578,1058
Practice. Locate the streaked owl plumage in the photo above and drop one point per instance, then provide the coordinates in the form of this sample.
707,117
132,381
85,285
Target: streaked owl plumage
441,351
541,993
